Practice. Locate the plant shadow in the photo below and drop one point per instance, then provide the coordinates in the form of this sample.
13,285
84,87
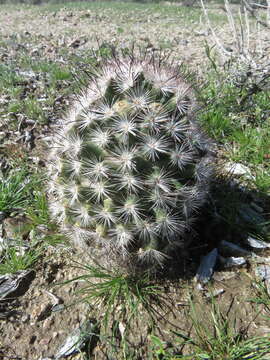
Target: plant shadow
233,213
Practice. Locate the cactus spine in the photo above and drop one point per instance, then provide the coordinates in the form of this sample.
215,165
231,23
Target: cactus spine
129,165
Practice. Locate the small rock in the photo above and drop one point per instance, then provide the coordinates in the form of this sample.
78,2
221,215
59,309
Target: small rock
201,32
25,318
75,43
215,293
229,248
33,338
44,341
263,271
257,244
17,335
256,207
42,312
206,267
58,307
59,276
77,339
34,52
238,169
199,287
231,261
15,283
27,74
251,216
47,323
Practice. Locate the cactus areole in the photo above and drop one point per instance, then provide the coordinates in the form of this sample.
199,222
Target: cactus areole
129,165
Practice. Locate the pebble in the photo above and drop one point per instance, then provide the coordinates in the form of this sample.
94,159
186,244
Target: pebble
59,276
256,207
77,339
251,216
25,318
47,323
263,271
32,339
238,169
256,244
58,307
206,267
231,261
44,341
55,334
229,248
215,293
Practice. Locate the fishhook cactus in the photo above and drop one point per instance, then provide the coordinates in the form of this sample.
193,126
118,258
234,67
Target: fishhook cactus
129,165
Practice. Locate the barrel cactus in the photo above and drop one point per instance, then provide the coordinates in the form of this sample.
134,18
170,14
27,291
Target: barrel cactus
129,166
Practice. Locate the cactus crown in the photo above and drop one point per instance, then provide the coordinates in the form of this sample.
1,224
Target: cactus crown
128,162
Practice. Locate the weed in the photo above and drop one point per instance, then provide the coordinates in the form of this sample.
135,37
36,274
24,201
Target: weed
214,339
262,296
240,131
8,78
221,340
160,350
38,212
123,302
237,97
118,294
14,191
15,258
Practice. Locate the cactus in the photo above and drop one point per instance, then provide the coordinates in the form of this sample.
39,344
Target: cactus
129,166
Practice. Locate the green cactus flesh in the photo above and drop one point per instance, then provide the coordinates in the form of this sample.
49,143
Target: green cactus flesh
128,161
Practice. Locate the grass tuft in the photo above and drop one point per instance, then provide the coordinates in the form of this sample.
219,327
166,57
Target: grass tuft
118,294
14,258
14,191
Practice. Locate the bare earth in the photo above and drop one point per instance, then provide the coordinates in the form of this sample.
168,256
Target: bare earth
33,331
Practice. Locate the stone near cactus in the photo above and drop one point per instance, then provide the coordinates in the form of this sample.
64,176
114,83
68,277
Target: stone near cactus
130,167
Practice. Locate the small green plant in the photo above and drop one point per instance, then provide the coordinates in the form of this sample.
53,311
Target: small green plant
130,168
159,350
237,96
14,191
262,295
218,339
214,338
119,295
38,211
15,258
123,301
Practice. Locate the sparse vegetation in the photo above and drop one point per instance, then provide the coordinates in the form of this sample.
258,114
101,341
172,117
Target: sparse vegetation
14,191
19,257
215,338
42,50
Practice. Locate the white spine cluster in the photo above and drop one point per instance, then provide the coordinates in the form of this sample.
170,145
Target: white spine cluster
127,167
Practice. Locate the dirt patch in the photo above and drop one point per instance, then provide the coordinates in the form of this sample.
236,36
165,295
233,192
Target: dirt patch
48,312
38,322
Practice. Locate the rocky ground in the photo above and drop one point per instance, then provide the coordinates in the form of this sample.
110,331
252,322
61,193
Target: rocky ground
40,49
